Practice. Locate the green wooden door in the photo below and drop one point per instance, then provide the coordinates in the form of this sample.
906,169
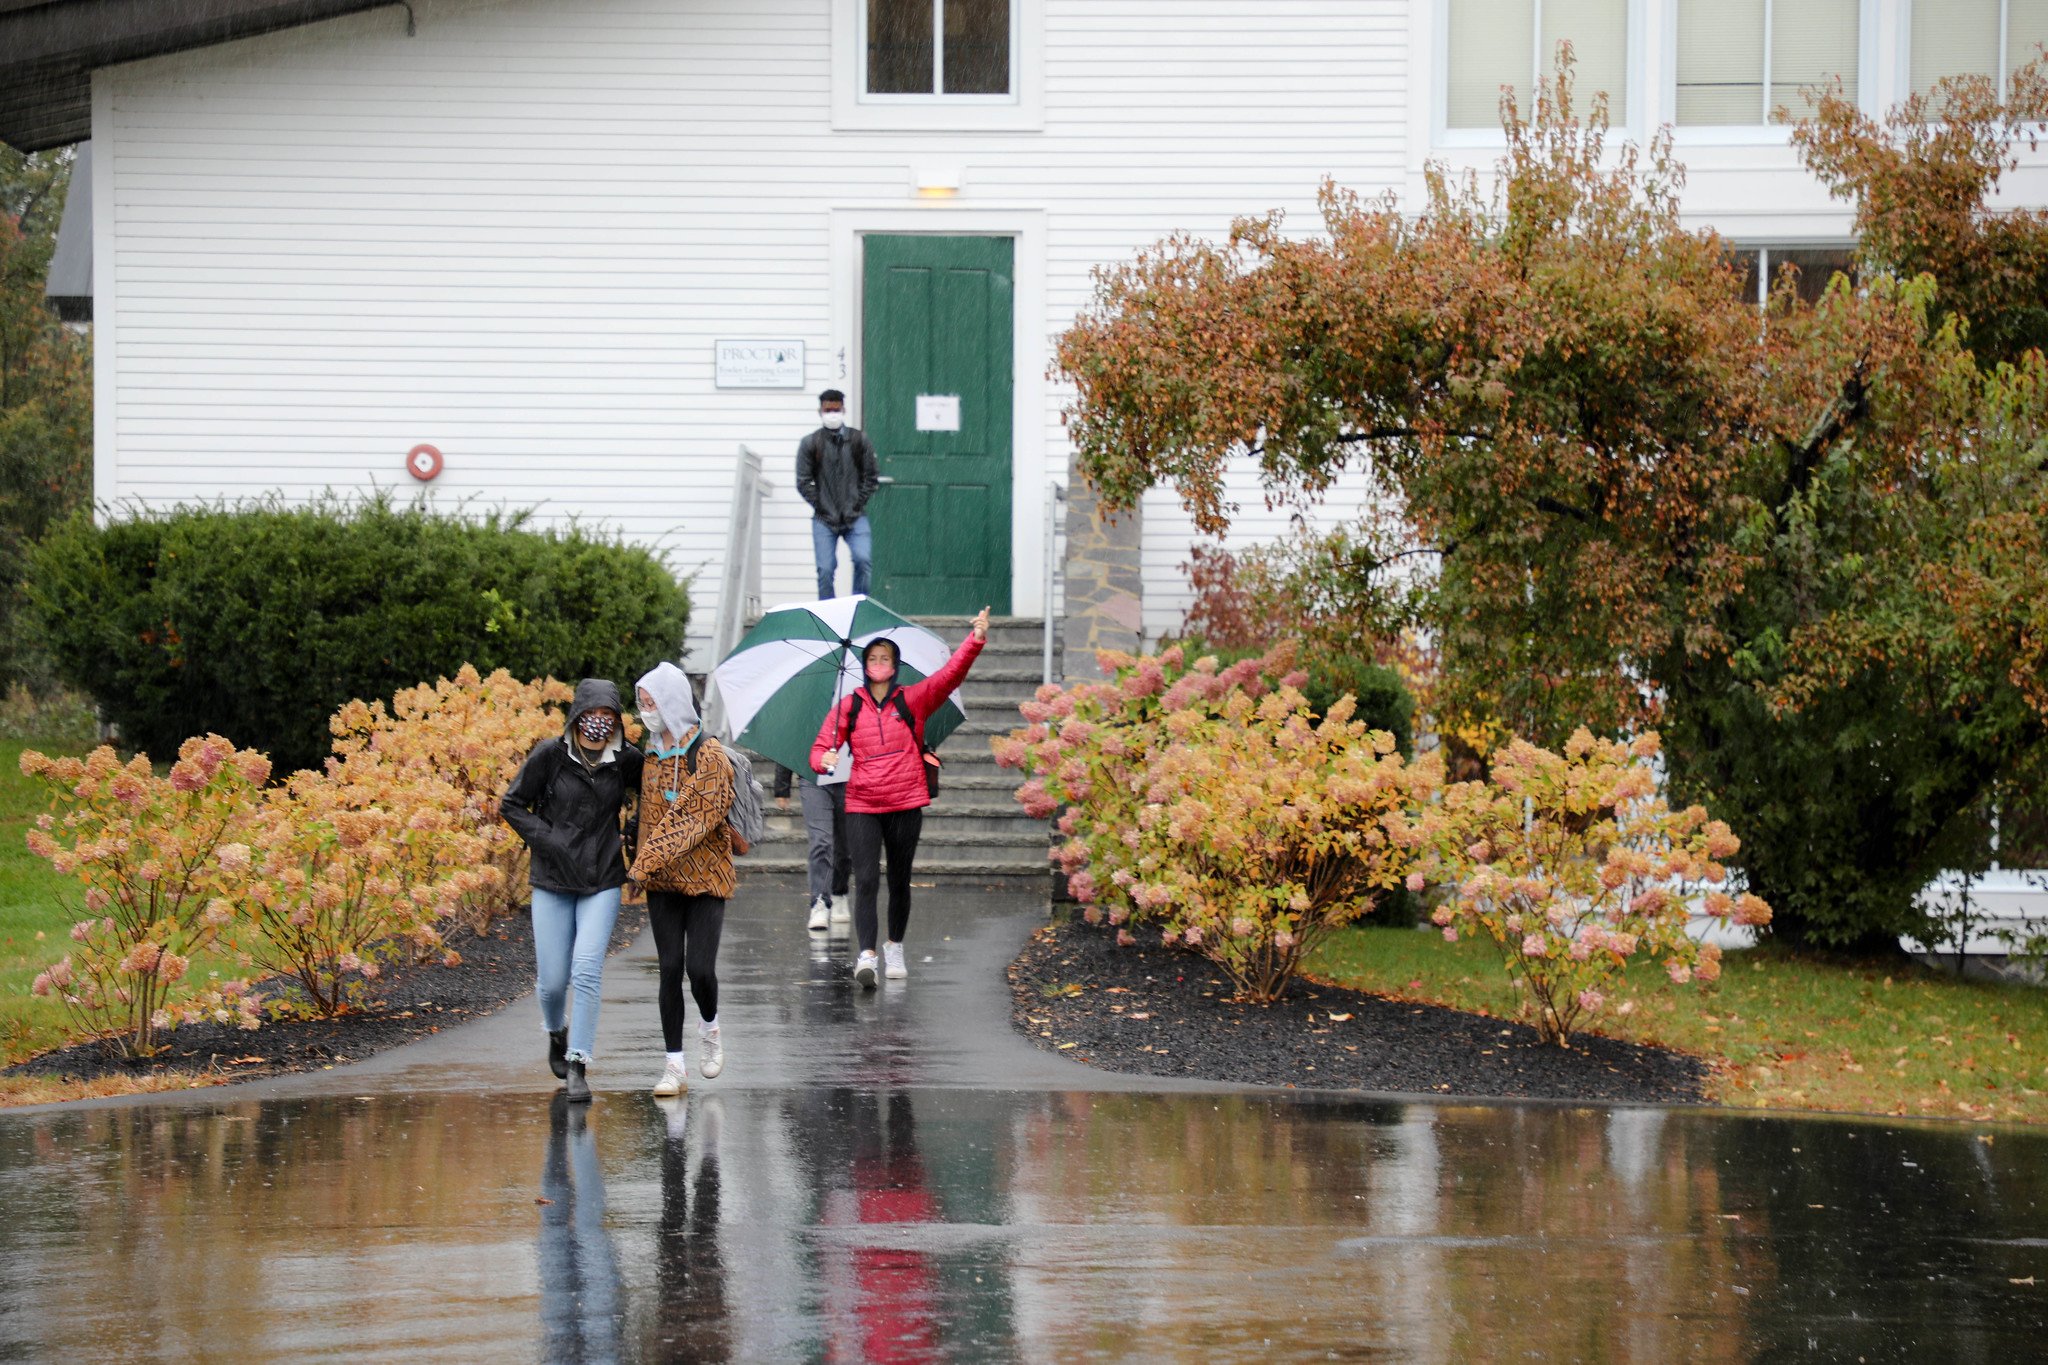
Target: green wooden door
935,356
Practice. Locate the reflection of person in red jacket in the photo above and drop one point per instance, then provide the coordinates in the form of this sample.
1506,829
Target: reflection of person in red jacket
883,726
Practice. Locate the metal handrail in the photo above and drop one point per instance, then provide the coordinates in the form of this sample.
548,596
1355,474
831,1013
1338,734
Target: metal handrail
739,592
1055,499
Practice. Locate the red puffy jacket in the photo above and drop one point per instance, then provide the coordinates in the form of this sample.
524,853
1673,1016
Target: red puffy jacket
888,766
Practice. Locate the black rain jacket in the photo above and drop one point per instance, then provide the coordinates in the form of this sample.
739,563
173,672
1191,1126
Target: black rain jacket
836,473
567,811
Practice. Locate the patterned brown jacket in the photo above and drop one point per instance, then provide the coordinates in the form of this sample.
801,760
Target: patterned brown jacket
685,844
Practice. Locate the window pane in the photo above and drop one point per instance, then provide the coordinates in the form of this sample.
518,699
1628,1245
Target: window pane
1814,265
1598,32
900,47
977,47
1811,41
1493,43
1746,261
1720,61
1952,37
2026,30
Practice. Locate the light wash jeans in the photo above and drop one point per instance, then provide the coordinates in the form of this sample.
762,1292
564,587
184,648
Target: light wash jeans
570,936
860,544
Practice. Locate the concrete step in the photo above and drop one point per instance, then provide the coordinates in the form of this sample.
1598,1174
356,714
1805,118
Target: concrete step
945,818
935,871
1027,843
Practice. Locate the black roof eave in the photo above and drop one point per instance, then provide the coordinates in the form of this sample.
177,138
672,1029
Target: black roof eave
49,51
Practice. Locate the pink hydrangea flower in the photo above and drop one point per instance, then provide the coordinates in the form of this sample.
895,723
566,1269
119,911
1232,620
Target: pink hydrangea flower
1534,945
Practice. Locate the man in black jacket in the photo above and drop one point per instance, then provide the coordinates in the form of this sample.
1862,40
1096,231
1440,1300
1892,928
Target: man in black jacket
836,473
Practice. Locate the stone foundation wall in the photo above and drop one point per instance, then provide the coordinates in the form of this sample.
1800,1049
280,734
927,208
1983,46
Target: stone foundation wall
1105,585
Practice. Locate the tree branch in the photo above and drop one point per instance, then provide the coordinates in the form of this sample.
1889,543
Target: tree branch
1843,411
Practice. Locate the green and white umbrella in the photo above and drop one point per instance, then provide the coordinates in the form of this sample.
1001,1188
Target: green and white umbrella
776,686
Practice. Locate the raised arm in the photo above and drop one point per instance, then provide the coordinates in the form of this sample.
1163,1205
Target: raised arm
928,696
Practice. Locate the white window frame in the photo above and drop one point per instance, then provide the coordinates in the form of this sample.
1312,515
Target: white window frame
1763,134
1023,109
1622,121
1905,65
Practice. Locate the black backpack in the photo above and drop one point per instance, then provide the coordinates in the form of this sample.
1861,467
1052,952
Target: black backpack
932,762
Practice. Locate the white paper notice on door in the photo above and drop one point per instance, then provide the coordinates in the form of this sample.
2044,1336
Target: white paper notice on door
938,412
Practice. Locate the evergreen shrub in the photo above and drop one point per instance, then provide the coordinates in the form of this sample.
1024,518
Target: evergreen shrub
259,621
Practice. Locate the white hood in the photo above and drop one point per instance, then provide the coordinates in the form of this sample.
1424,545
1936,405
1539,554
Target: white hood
670,688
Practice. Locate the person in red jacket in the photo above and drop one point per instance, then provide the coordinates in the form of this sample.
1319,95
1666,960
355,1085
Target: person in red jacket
883,726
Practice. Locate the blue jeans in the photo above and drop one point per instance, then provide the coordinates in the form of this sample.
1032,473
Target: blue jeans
860,543
570,936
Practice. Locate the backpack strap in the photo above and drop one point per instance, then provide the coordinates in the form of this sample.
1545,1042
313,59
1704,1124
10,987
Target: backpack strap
910,719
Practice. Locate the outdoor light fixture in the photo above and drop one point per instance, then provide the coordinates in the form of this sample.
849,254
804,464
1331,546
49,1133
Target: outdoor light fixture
938,182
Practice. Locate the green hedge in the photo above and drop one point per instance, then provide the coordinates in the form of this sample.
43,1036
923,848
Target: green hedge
258,621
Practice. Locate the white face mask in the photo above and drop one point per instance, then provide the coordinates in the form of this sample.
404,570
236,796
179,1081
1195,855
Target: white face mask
651,718
834,420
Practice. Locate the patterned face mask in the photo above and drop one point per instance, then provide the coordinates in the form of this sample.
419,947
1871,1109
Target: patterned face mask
594,726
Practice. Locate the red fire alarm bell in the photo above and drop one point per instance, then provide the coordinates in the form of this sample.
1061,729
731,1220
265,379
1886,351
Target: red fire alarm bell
423,462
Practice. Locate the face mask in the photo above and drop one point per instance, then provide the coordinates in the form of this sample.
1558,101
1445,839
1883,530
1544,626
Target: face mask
651,718
880,670
834,420
595,727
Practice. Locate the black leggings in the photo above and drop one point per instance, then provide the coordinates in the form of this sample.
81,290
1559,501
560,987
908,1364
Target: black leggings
867,836
686,930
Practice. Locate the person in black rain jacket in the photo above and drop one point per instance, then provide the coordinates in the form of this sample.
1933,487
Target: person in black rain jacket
565,804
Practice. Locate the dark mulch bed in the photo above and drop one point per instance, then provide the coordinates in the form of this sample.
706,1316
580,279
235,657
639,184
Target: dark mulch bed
408,1002
1158,1011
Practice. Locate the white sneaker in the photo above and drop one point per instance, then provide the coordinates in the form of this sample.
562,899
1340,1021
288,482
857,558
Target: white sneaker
710,1052
821,916
892,958
674,1081
864,969
842,909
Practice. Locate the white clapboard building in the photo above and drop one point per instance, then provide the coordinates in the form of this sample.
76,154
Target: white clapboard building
578,254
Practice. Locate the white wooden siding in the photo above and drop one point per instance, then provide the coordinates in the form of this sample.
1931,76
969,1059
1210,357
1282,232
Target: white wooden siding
1169,534
517,235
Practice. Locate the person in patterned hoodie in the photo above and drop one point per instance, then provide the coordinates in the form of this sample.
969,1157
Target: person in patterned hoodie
685,862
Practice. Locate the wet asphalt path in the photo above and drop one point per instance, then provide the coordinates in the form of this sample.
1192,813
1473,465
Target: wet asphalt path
897,1176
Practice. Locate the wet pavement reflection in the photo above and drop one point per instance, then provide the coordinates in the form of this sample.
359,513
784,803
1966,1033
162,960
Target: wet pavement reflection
915,1224
896,1177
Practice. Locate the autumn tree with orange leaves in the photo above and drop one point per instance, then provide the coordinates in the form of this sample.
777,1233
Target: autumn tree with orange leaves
1644,502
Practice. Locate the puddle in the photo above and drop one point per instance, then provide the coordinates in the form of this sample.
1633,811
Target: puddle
965,1224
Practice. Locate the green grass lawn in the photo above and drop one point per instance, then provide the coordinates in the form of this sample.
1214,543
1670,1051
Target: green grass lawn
1783,1030
33,922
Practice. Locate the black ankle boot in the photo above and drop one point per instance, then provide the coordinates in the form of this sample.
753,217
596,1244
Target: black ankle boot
579,1088
558,1053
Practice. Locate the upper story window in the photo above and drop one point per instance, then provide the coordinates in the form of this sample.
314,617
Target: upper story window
938,49
1974,37
1513,43
1739,61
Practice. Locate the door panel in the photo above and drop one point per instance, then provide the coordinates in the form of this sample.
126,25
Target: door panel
936,320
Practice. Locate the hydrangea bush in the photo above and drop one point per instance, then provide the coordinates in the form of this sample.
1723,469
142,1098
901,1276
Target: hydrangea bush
319,879
349,869
1207,802
456,744
1574,866
159,870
